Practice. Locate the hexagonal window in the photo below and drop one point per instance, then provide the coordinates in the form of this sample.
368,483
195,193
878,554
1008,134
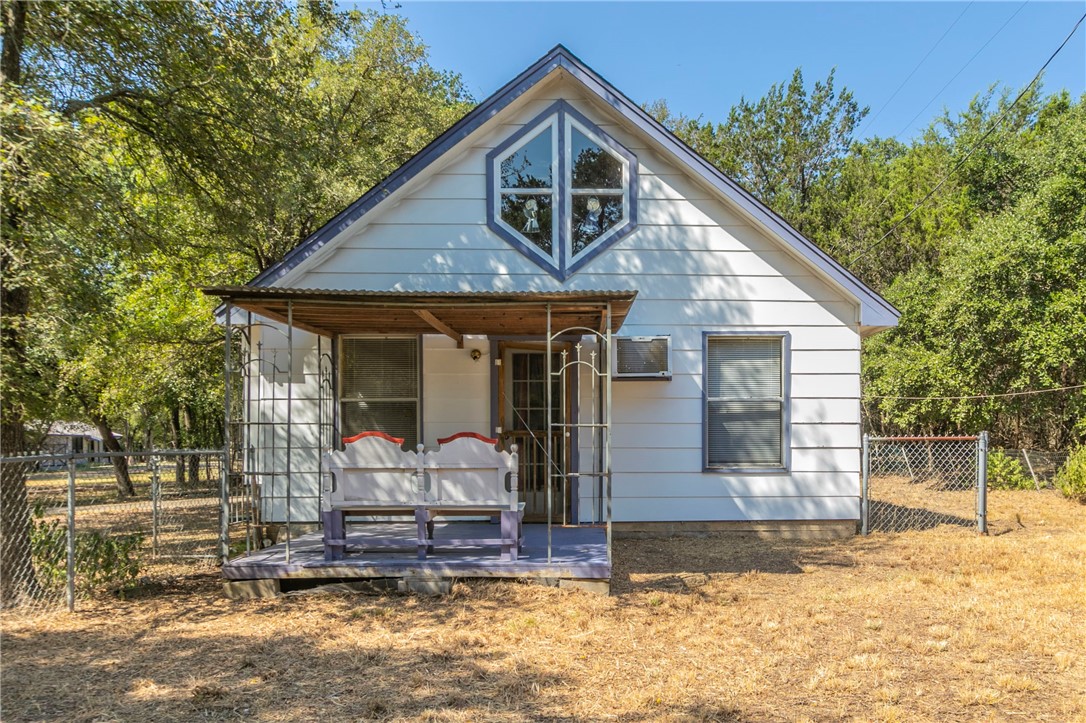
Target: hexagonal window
560,190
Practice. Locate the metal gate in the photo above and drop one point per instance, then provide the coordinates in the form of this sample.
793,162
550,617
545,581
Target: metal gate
917,483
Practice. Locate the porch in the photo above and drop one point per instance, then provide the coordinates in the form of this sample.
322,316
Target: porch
577,553
530,369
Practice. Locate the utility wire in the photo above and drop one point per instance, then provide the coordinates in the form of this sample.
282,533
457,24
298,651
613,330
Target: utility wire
962,69
931,50
975,147
986,396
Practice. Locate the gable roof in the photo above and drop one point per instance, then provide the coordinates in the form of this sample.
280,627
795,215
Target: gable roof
876,312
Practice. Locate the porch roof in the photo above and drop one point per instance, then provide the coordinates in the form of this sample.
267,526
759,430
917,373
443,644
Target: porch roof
453,313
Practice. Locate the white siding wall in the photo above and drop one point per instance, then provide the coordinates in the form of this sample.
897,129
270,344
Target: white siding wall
455,388
273,380
697,265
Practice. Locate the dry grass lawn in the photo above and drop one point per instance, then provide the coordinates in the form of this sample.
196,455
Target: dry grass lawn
940,624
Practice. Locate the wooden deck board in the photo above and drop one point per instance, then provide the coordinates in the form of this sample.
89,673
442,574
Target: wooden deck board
577,553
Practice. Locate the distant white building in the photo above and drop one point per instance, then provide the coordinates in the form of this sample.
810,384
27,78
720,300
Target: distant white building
73,438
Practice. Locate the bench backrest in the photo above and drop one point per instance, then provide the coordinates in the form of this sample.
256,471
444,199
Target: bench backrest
467,469
372,470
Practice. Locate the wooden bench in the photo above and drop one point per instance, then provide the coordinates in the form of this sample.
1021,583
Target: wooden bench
468,475
373,475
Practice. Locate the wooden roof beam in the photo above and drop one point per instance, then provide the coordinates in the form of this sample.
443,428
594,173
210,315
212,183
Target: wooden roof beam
281,317
441,326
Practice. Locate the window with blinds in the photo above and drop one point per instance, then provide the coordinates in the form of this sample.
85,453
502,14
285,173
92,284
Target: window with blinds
744,401
379,387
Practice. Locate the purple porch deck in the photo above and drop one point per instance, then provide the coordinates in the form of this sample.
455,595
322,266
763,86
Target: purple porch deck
577,553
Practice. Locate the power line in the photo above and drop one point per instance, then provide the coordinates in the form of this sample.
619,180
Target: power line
946,85
962,69
985,396
931,50
975,147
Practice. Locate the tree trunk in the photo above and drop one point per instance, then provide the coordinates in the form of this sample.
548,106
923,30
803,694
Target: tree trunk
175,442
120,462
17,575
193,461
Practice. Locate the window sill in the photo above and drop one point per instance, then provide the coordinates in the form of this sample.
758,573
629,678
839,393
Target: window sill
746,470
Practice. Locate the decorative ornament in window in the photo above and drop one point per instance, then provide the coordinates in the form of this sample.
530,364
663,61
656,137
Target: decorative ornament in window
561,190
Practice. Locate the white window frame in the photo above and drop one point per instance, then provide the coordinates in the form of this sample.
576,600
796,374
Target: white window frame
784,399
554,191
570,191
341,399
561,118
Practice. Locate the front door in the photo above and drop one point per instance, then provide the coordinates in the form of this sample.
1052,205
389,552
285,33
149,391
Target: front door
524,423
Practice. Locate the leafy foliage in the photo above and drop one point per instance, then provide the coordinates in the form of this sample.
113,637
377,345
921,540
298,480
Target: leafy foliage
170,146
1071,479
780,147
986,272
1006,472
1003,310
102,559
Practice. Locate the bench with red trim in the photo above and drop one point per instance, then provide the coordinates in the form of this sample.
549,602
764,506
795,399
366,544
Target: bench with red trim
467,475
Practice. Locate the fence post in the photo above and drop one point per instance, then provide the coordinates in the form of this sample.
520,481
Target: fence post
156,491
224,502
982,483
865,473
1036,484
70,572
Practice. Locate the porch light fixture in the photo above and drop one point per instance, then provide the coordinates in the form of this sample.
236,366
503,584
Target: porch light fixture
561,191
476,355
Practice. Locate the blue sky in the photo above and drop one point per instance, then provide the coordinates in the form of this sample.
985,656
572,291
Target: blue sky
703,56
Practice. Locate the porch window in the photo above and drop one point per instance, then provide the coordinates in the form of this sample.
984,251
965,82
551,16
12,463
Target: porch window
379,386
745,403
560,189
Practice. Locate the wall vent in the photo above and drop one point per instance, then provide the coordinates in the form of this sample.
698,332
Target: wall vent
643,357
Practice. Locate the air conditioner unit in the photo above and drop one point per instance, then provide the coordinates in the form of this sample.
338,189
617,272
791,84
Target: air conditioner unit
642,357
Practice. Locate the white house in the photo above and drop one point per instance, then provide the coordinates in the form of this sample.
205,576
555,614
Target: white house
73,438
423,310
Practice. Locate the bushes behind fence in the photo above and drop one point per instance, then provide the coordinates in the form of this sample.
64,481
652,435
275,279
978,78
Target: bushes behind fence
1071,479
102,560
1006,473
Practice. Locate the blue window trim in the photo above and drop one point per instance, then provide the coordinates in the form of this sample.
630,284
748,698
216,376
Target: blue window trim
786,395
562,265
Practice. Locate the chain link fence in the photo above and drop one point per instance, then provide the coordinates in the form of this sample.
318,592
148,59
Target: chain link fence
917,483
1024,468
76,525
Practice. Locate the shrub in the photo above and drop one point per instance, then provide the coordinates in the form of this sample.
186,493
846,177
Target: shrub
1071,479
1006,472
101,559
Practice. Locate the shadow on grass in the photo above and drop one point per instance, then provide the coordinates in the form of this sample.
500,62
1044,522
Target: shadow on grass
886,516
642,565
155,669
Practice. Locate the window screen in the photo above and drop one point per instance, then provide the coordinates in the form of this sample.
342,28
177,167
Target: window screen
379,387
744,402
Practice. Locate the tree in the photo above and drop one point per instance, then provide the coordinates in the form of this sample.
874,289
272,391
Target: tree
1004,308
215,133
781,146
14,305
